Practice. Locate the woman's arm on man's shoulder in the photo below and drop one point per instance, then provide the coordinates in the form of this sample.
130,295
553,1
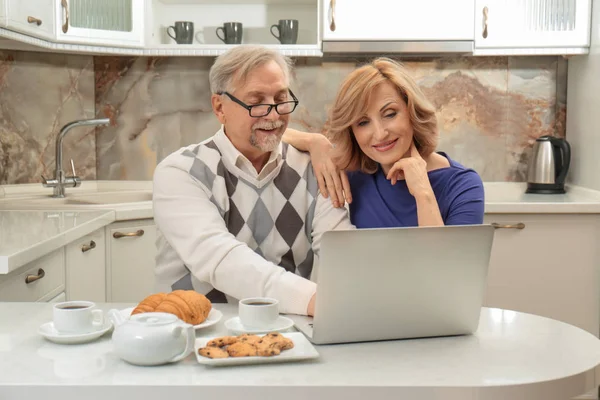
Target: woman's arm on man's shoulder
332,181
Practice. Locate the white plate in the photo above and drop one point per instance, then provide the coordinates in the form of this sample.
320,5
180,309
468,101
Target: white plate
234,325
214,316
49,332
303,350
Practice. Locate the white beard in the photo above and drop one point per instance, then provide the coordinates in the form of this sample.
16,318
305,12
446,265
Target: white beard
266,143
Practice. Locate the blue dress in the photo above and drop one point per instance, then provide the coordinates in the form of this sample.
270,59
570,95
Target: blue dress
378,204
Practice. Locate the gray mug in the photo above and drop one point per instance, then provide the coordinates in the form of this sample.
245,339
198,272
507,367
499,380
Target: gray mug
232,32
288,31
183,32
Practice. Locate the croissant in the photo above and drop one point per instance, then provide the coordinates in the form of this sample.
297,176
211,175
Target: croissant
188,305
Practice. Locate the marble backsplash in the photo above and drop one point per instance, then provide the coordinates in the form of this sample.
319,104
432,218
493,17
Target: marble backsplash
491,109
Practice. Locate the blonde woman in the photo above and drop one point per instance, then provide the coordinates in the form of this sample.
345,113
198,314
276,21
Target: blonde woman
383,131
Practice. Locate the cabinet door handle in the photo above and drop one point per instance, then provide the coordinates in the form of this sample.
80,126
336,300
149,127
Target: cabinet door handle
520,225
332,10
88,247
119,235
32,278
485,22
34,20
65,7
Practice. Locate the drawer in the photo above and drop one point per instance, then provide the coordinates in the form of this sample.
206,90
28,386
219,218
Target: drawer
34,18
14,288
86,268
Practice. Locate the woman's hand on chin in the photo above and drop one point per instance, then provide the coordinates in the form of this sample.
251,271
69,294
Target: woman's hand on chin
413,169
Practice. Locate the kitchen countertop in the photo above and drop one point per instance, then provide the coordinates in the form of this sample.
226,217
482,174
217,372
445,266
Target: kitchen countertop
512,356
30,229
27,235
510,198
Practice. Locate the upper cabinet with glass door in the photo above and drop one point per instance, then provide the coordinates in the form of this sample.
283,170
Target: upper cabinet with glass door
118,23
548,26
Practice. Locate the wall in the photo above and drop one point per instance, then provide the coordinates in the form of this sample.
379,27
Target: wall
491,109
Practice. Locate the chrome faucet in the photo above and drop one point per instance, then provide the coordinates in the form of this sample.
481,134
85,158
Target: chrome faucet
60,181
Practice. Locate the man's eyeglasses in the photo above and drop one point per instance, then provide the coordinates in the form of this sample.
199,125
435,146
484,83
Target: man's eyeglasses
262,110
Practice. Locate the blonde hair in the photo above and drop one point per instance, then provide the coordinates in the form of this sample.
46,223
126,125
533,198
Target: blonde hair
353,98
232,67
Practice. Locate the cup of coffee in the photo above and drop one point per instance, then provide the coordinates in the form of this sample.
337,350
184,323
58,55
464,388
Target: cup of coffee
77,317
231,32
183,32
287,31
258,312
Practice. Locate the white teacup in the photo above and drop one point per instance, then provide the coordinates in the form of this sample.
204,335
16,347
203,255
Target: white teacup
77,317
258,312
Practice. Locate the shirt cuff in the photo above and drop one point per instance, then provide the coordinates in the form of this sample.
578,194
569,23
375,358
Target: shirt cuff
294,294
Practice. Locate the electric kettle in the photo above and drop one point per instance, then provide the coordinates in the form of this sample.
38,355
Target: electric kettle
548,166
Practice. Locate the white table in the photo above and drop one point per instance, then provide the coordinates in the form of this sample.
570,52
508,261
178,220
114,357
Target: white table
512,356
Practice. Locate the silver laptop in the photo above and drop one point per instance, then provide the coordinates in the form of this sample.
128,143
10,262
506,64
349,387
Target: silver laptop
398,283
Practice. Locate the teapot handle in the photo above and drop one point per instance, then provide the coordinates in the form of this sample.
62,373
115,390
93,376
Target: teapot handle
190,342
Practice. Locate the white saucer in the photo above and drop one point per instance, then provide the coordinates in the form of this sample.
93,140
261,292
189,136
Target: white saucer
235,326
214,316
49,332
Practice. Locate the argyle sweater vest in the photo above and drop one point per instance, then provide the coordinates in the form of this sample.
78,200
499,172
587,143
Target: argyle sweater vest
274,218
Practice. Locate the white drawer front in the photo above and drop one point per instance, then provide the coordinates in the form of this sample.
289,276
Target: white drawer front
14,288
35,18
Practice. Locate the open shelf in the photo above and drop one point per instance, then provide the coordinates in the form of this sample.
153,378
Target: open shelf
292,50
197,2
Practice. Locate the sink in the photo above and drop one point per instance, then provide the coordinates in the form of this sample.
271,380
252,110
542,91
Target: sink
77,200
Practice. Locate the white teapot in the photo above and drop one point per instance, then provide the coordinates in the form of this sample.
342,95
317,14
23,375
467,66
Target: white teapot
152,338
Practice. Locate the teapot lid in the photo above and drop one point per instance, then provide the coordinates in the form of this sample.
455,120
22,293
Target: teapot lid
154,318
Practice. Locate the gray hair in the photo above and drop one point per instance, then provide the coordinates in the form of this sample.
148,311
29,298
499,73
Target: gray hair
233,66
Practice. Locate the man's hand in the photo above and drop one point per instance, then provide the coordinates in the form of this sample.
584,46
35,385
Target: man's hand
311,306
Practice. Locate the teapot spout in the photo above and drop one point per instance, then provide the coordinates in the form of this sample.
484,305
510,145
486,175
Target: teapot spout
116,317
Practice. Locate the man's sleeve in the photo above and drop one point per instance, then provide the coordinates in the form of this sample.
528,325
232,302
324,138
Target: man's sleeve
328,218
194,228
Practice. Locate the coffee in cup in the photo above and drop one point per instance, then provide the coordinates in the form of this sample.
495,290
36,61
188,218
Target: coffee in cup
77,317
258,312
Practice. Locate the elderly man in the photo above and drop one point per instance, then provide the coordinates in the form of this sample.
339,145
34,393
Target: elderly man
239,215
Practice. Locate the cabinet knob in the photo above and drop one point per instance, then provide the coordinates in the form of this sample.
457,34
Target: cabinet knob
332,11
65,6
88,247
119,235
520,225
34,20
485,22
32,278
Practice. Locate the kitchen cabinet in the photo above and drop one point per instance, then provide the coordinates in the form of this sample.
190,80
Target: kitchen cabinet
34,18
59,298
505,26
111,23
3,12
384,20
131,252
86,268
39,280
548,268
